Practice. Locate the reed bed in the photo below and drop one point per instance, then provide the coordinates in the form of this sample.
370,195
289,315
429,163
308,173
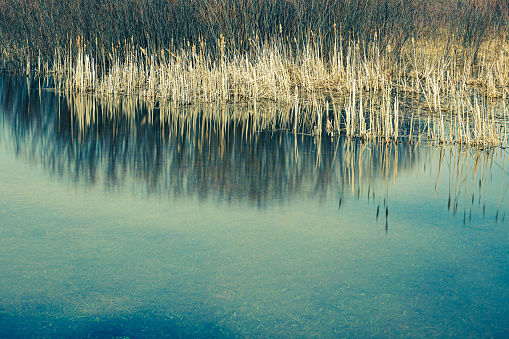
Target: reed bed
359,65
355,91
275,72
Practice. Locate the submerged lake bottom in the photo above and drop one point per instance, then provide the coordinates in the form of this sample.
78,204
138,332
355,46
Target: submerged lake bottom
124,228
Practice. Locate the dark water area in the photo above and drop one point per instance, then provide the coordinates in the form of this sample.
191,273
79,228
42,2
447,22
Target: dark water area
120,220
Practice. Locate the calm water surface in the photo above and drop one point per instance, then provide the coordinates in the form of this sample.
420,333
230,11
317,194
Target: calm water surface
119,220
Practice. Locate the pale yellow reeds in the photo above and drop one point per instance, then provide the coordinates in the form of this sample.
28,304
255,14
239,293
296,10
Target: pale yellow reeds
360,83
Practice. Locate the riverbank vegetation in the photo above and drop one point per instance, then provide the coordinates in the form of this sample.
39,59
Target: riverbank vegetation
357,63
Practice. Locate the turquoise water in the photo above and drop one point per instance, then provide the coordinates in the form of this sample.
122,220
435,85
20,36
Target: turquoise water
136,227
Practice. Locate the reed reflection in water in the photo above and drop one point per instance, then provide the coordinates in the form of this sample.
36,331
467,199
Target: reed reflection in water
219,221
245,153
227,152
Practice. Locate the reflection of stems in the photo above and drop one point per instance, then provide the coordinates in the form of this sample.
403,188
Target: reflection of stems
450,176
501,187
440,160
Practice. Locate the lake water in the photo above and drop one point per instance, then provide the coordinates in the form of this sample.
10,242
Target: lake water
119,220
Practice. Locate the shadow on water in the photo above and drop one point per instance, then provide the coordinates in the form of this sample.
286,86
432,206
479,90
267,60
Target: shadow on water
314,278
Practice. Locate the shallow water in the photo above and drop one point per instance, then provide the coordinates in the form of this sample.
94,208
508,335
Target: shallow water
127,222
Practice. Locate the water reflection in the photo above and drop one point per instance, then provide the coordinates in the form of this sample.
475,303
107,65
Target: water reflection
224,152
239,154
